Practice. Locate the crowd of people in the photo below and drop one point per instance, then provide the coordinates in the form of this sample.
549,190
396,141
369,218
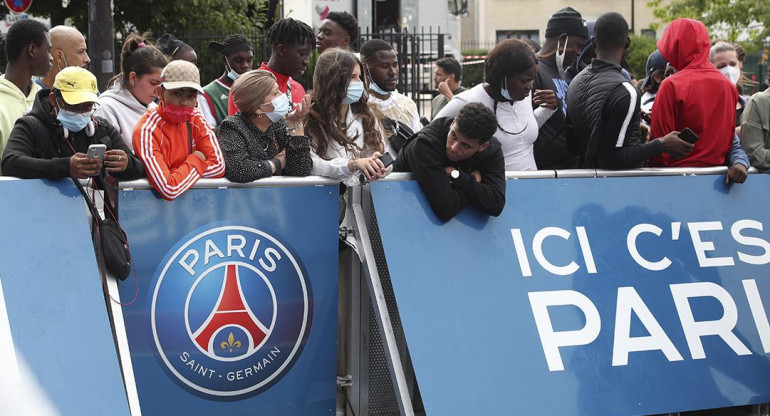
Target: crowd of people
565,104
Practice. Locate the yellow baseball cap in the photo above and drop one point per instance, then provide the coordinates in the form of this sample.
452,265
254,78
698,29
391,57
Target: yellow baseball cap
77,85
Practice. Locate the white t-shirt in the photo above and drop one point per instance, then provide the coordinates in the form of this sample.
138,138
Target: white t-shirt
517,127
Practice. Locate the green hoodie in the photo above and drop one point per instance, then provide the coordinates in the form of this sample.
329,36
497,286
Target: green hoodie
13,104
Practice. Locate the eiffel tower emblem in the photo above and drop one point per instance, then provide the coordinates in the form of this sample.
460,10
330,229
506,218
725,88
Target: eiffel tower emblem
231,310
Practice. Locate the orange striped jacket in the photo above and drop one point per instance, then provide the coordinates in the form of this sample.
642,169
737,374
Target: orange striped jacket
164,148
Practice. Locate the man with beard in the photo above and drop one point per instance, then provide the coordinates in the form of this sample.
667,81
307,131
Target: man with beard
68,48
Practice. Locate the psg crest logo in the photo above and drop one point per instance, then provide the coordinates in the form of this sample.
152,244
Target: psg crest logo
230,311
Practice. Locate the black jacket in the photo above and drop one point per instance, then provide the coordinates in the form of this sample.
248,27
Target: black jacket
425,156
36,147
603,119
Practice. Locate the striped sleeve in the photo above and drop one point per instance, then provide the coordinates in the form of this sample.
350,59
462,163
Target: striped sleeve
170,182
206,142
629,114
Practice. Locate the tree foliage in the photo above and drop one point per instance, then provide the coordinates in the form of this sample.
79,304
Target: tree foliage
640,49
167,16
189,16
734,18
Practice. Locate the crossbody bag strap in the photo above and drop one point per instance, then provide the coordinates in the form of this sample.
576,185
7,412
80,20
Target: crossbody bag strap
89,202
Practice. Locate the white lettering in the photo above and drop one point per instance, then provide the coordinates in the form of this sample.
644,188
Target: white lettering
254,249
272,255
722,327
187,265
585,247
552,340
537,248
521,252
701,247
233,247
211,251
655,266
629,301
758,313
751,241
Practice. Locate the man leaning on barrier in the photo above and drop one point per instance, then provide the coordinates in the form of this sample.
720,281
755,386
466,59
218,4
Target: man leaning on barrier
457,162
53,139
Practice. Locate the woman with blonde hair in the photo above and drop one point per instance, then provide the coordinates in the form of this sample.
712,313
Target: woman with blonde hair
344,134
263,139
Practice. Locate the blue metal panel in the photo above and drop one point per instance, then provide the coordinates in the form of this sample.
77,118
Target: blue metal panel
264,346
468,303
54,298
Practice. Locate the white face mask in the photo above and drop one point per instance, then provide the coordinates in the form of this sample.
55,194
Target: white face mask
560,57
732,73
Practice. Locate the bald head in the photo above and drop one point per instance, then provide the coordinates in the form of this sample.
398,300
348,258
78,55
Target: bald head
68,47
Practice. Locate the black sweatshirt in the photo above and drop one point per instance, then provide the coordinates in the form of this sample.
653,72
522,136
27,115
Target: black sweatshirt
425,156
36,148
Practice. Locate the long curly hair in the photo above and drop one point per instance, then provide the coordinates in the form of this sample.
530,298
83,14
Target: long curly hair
330,82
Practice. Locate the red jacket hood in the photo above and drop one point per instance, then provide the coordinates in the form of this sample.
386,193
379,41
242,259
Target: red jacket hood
685,44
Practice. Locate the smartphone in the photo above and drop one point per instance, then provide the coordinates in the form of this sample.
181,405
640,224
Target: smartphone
97,151
688,136
387,159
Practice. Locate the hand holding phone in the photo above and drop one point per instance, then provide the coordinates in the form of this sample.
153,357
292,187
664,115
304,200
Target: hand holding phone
688,135
386,159
97,151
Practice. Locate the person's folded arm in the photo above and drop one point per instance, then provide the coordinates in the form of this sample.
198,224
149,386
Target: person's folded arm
445,198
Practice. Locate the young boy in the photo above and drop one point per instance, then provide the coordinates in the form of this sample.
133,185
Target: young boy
173,140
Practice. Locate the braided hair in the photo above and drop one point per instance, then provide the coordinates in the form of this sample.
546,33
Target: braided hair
290,32
232,44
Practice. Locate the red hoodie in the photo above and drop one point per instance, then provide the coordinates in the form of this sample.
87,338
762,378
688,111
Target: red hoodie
697,96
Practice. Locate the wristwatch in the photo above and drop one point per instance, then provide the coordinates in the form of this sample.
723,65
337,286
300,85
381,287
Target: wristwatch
454,174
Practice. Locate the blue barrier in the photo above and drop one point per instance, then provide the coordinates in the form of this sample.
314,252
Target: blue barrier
621,296
62,345
237,306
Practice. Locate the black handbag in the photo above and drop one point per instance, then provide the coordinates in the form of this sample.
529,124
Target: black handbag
401,133
112,245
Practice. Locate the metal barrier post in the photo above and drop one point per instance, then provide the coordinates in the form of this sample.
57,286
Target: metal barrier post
380,308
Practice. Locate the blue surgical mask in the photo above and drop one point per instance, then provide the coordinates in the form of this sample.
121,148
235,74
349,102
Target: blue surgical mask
504,91
373,85
376,88
354,93
231,73
73,121
280,108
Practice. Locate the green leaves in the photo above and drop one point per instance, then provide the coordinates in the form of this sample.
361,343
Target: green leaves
733,19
